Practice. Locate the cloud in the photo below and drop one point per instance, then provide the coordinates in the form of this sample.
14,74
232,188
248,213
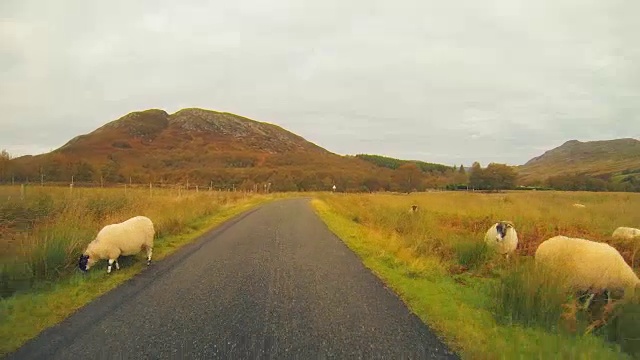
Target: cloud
437,81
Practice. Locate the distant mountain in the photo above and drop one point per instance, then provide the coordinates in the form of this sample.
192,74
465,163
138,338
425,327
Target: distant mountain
606,159
200,146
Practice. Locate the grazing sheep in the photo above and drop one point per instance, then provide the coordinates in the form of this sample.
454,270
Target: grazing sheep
126,238
413,209
586,265
580,206
626,233
502,238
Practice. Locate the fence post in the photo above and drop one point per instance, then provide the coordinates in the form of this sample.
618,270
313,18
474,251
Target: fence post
22,192
150,193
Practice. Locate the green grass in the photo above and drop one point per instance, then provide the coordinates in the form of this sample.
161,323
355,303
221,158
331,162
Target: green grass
51,298
482,314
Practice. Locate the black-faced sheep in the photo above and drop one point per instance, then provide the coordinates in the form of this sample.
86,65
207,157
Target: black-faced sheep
126,238
502,238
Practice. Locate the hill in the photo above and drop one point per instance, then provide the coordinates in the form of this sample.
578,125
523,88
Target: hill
202,147
615,160
392,163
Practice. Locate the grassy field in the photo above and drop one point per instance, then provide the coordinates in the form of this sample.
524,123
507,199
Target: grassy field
43,233
483,306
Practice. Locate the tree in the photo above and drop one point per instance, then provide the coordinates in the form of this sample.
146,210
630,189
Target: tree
372,184
408,177
110,172
499,177
83,171
493,177
476,180
461,170
5,164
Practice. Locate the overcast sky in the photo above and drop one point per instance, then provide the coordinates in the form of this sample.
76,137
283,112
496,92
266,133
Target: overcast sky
442,81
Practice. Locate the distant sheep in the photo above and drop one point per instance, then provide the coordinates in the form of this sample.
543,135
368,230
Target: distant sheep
580,206
626,233
502,238
413,209
126,238
586,265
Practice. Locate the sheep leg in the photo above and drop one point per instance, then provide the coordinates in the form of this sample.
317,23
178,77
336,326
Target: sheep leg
109,267
588,301
117,265
149,252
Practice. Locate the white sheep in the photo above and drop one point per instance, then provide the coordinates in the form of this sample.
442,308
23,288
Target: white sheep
413,209
126,238
626,233
502,238
585,265
580,206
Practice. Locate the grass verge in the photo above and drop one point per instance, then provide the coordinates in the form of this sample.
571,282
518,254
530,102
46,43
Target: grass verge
458,307
24,316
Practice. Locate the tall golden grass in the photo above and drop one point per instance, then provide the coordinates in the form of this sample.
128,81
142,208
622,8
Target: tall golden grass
44,229
444,240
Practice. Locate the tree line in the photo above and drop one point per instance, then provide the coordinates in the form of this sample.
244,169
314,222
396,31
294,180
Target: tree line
394,175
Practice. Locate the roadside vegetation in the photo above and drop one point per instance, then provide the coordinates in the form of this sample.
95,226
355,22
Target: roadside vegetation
483,306
43,231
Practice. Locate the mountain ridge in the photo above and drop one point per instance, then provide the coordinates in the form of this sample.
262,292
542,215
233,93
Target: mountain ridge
597,158
198,145
211,146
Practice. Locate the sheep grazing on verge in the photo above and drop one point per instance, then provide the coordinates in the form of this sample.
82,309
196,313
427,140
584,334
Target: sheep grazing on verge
626,233
413,209
586,266
502,238
126,238
580,206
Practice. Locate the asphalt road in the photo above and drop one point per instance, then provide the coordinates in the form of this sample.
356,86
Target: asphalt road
273,283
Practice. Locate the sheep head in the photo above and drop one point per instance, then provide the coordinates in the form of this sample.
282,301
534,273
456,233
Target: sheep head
86,261
502,228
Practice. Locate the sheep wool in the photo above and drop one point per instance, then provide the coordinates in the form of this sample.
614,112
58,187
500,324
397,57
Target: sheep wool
126,238
626,233
502,238
585,264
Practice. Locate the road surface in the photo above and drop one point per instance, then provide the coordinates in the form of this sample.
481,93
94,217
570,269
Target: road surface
274,283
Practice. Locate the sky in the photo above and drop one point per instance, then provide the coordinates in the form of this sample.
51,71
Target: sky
451,82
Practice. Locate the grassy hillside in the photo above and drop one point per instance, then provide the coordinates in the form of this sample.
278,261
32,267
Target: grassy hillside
616,159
